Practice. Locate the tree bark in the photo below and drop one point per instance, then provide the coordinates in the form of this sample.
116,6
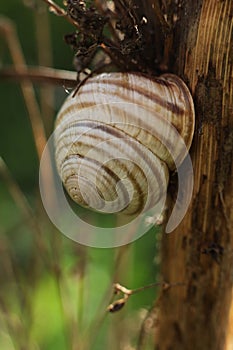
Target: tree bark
200,251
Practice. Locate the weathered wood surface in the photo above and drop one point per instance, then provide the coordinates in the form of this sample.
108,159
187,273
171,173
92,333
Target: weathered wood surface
200,251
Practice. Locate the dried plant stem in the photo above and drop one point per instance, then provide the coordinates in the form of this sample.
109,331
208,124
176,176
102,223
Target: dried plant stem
23,205
9,324
101,314
59,11
111,25
7,28
43,75
7,319
147,325
44,49
67,327
45,59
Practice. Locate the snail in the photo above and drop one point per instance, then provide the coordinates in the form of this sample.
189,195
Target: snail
120,136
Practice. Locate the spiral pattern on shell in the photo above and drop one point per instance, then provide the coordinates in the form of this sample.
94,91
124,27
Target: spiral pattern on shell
117,139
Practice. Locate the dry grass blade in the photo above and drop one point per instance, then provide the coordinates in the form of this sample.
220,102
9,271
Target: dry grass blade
23,205
43,75
8,30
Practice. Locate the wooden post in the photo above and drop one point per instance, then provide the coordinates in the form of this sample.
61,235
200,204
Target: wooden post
200,251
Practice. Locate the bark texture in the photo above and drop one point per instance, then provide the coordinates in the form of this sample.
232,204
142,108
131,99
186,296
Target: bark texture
200,251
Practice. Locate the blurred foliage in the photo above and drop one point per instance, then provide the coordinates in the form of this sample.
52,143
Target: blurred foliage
54,292
15,123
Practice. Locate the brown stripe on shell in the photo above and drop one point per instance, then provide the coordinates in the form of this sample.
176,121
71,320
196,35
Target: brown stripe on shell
108,81
174,119
167,80
70,108
115,125
125,82
117,133
156,99
111,175
134,120
94,161
170,82
111,130
136,185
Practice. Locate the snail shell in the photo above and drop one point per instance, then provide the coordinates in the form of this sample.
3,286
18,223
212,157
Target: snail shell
117,139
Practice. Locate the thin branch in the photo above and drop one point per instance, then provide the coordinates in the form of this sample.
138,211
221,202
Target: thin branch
118,288
59,11
43,75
